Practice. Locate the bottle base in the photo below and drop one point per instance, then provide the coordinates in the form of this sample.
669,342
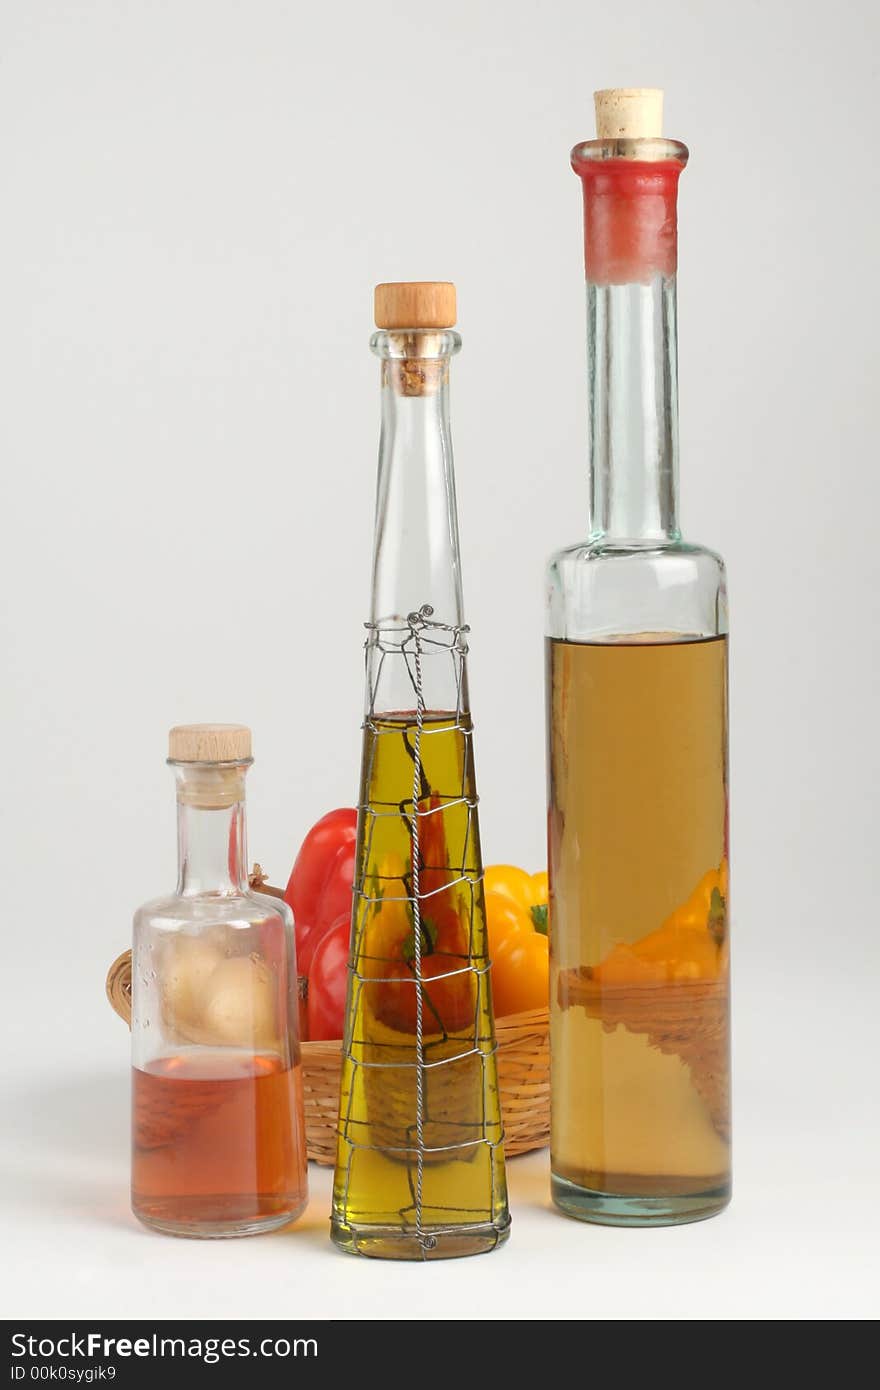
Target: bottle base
196,1226
617,1209
391,1243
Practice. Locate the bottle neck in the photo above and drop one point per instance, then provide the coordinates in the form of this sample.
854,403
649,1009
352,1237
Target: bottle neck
631,255
211,829
416,558
633,390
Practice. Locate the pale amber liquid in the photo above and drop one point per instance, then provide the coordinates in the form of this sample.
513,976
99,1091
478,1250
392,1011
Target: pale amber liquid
217,1141
638,815
380,1186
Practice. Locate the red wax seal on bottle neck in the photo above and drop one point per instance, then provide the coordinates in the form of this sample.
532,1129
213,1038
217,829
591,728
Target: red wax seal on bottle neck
630,230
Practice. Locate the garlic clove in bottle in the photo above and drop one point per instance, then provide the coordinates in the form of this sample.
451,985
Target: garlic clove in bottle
190,964
239,1007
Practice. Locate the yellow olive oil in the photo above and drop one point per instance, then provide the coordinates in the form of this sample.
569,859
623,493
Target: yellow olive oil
638,913
420,1146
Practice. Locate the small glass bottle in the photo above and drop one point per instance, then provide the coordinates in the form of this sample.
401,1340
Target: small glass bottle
218,1134
637,738
420,1163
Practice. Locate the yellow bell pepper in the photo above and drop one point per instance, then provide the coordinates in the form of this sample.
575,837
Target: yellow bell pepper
690,945
706,906
528,891
516,919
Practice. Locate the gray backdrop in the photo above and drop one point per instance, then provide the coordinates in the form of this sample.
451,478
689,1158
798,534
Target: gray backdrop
197,199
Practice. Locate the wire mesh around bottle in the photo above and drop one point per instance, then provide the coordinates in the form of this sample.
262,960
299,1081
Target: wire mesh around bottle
419,1070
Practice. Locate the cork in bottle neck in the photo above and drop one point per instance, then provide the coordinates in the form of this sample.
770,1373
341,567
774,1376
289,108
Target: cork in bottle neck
207,787
415,304
629,126
415,339
210,761
629,113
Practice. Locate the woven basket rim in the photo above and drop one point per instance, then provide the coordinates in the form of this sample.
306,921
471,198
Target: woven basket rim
509,1028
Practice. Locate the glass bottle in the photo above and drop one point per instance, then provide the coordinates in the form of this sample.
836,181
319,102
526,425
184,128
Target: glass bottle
420,1165
218,1133
637,741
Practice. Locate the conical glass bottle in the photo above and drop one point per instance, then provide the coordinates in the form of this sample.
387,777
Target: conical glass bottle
218,1131
637,710
420,1165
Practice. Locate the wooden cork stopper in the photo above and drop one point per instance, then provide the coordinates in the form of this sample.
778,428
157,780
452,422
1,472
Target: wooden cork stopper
415,304
629,113
209,743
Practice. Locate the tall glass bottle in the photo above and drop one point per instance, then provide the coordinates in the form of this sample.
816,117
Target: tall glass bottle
420,1166
637,739
218,1132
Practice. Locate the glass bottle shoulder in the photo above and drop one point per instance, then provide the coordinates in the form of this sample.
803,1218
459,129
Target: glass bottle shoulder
696,562
191,912
601,588
213,971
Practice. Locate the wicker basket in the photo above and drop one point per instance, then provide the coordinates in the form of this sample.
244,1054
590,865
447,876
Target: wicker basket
523,1070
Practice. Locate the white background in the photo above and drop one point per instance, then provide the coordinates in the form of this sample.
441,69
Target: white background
198,196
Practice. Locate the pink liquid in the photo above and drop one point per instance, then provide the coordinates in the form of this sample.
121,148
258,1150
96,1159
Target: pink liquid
218,1139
